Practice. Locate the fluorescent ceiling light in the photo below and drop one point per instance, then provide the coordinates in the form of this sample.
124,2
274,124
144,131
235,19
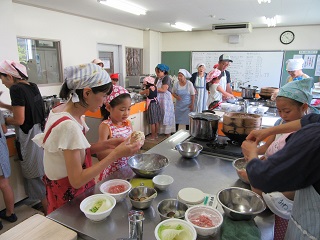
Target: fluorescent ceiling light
124,6
182,26
264,1
272,22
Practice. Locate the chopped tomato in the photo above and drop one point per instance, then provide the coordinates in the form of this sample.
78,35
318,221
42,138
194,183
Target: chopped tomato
117,189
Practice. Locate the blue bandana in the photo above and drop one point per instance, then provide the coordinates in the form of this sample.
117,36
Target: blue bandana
162,67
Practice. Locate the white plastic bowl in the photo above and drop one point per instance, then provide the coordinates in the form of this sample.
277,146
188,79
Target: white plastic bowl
193,214
162,182
189,232
88,203
225,106
104,188
235,108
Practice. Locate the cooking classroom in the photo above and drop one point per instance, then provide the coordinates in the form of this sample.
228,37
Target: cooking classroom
168,120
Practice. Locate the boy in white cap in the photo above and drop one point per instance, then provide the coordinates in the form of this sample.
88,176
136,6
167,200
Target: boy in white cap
294,68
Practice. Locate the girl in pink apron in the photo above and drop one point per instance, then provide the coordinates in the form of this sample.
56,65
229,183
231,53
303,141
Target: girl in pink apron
116,125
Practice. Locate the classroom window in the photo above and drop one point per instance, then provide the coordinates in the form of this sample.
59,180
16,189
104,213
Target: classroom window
42,59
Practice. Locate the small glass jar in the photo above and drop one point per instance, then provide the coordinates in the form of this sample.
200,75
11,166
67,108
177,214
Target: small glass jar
136,224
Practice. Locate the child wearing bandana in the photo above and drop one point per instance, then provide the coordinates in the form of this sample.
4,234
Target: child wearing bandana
293,102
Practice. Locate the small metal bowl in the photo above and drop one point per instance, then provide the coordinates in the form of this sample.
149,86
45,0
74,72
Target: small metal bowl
240,203
136,194
240,164
189,149
171,208
148,165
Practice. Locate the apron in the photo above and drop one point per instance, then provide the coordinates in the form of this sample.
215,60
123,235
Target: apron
31,154
166,105
223,81
60,191
200,103
182,106
305,218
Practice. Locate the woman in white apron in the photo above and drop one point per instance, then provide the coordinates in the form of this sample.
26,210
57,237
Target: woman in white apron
163,83
184,92
199,82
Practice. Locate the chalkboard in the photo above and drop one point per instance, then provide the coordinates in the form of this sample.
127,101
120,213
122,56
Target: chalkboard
176,60
262,69
309,68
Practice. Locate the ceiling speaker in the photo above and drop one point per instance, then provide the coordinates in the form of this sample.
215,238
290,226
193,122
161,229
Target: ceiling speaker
234,39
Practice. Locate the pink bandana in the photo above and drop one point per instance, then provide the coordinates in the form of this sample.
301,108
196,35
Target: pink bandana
116,91
10,67
148,79
214,73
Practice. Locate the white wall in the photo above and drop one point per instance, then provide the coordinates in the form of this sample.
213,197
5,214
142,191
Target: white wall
79,36
306,38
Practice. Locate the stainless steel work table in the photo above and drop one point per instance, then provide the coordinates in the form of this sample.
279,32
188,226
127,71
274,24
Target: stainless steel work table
207,173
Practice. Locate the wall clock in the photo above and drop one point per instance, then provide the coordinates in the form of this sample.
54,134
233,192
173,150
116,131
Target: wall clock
287,37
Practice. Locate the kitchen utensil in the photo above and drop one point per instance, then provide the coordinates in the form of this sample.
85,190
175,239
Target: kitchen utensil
249,92
162,182
204,125
213,105
171,208
270,103
266,92
240,204
189,149
240,165
140,197
188,230
196,215
148,165
89,203
108,185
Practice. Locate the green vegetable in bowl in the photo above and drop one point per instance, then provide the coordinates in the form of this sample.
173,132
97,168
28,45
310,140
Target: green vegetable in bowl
100,206
173,232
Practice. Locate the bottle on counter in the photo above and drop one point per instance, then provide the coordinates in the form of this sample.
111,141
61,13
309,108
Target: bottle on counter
136,224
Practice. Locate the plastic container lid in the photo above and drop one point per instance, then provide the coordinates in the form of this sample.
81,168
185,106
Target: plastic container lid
191,196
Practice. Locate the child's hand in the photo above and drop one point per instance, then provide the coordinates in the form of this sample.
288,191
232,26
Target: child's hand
114,142
127,149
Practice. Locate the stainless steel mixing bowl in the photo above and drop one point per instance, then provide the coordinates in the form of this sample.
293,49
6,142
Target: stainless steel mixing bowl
171,208
240,164
240,203
148,165
141,197
189,149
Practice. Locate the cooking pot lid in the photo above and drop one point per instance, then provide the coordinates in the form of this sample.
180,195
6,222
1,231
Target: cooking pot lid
205,116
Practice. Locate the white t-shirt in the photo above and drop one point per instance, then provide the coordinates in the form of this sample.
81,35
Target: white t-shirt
66,135
214,95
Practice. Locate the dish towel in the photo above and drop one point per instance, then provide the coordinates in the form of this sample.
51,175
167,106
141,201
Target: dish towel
239,230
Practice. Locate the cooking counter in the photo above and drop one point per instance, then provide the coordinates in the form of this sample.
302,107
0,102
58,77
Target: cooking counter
207,173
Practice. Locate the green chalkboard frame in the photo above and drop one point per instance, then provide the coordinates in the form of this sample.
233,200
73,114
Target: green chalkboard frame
176,60
289,55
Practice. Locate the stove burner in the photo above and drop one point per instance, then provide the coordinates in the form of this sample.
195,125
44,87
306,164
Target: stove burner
221,147
216,145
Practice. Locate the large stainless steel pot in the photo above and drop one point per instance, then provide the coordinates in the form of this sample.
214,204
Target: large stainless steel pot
248,92
204,125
